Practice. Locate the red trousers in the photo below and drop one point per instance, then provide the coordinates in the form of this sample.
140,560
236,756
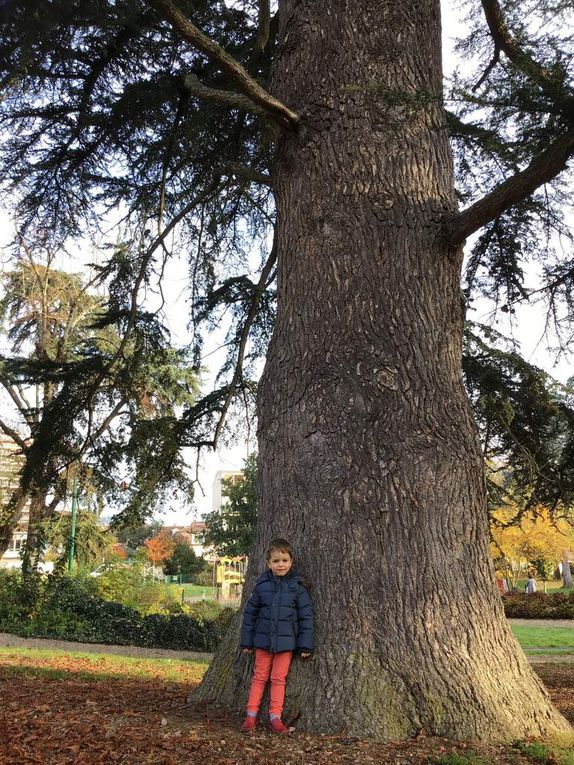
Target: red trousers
274,666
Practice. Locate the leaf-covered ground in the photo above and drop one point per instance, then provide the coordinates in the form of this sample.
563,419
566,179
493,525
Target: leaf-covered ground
90,709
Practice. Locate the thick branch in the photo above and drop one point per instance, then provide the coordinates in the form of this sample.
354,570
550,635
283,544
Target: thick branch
10,515
282,115
543,168
226,98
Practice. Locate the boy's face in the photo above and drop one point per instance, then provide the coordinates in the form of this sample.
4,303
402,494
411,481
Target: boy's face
280,563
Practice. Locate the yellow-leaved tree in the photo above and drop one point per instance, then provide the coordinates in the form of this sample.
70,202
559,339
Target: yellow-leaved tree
534,540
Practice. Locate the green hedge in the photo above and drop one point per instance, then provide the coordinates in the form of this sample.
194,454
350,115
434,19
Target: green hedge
557,605
67,608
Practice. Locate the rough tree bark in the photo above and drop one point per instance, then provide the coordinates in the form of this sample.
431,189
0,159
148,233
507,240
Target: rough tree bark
369,456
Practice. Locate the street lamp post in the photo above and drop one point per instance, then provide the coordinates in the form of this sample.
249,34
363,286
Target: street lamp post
73,529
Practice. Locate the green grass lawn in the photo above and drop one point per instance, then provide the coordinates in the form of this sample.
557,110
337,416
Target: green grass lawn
538,639
193,591
56,664
551,587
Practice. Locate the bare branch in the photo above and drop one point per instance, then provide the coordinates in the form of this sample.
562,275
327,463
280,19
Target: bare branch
261,285
21,404
226,98
280,113
542,169
91,438
181,105
11,433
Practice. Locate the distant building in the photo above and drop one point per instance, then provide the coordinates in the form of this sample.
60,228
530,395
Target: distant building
235,476
192,534
10,463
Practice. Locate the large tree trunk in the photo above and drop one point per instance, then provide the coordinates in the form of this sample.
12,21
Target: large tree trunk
369,456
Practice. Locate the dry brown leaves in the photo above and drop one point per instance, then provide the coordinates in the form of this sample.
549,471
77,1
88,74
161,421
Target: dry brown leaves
81,720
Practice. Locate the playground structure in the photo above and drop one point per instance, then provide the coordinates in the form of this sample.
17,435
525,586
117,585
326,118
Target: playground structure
229,576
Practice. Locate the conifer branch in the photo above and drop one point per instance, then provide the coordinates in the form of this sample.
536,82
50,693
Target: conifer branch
504,40
146,259
237,375
493,62
280,113
542,169
247,173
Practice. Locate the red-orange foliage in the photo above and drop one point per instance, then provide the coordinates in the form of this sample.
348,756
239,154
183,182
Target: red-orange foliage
159,548
120,550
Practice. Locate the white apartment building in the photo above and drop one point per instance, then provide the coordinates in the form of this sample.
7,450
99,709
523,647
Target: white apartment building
223,475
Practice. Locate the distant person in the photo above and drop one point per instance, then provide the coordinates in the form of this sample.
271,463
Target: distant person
277,621
530,586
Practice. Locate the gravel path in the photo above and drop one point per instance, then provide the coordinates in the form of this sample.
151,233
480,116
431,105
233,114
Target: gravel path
543,622
13,641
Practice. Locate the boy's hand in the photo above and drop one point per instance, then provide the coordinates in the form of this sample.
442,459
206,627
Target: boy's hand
305,655
248,650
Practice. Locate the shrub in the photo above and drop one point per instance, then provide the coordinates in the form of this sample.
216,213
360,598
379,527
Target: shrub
539,606
69,608
128,585
204,578
17,598
206,610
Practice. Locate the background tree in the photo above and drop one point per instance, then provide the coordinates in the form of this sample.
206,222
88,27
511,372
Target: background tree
231,529
93,542
183,560
135,536
75,414
159,548
526,423
369,456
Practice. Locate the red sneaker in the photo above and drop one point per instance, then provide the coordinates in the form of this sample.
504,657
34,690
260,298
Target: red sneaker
249,724
277,726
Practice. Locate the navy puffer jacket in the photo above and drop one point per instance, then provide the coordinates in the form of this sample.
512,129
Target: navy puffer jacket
279,615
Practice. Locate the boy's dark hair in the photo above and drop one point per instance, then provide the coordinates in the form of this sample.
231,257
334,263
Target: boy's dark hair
278,545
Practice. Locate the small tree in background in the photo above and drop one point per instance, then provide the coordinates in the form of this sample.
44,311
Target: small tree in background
93,542
183,561
159,548
135,535
231,529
